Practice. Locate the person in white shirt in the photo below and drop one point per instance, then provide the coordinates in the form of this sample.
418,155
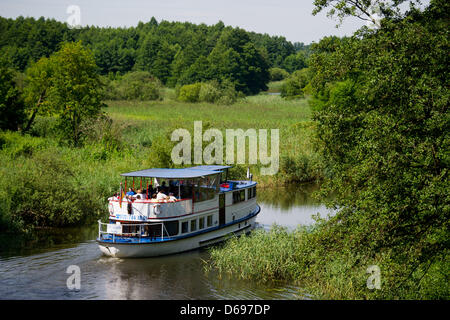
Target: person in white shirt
153,199
161,196
140,195
172,198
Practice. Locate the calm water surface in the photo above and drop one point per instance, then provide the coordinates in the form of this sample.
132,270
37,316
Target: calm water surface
37,269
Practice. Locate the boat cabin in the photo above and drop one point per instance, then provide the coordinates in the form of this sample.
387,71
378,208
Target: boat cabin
171,203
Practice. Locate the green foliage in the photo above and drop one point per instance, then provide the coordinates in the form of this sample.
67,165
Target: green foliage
43,190
235,58
212,92
38,80
176,53
363,9
295,62
277,74
190,92
275,48
11,104
294,86
382,120
137,85
384,138
66,85
209,92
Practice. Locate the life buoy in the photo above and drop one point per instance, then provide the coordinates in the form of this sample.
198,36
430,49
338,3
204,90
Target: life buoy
157,209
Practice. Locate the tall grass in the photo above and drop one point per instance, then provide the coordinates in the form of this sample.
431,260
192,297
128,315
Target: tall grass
314,260
299,162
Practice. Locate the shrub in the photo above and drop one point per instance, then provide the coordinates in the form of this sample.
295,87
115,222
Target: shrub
224,93
277,74
45,190
139,85
209,92
294,86
190,92
229,95
15,145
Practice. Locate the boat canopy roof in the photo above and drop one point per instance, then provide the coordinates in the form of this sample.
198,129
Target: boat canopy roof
184,173
211,167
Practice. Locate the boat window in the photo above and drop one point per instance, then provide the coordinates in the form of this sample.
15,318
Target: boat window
206,188
238,196
193,225
184,227
130,228
154,230
201,223
171,227
251,193
209,221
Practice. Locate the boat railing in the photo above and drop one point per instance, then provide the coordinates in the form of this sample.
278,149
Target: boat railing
120,235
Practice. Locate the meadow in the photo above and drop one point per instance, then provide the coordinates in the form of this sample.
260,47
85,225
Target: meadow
151,122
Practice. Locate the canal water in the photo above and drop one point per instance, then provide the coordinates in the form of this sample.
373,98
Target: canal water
36,269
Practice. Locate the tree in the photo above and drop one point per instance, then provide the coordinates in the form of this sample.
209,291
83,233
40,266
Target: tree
278,74
237,59
383,124
76,90
365,10
147,52
38,82
11,104
161,66
295,84
294,62
66,85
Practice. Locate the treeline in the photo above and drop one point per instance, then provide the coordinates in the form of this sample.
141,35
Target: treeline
175,53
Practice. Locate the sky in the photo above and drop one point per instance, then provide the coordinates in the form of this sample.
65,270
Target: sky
292,19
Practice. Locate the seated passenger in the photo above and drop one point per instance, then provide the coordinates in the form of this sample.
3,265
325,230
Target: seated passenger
130,192
172,198
153,199
161,195
140,194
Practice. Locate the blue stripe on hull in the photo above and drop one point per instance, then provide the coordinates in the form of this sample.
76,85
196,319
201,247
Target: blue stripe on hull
147,240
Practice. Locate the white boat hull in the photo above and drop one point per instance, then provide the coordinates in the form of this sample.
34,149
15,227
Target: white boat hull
139,250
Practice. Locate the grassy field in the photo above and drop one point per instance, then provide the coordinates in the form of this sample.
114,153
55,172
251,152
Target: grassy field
143,123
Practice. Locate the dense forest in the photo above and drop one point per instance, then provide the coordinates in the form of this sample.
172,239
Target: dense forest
175,53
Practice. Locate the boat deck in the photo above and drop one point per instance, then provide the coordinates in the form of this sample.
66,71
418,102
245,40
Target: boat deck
231,185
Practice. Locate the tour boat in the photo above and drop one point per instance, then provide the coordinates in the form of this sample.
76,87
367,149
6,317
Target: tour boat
204,208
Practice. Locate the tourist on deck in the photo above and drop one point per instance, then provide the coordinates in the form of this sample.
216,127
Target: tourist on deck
161,196
172,198
129,195
153,199
140,195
